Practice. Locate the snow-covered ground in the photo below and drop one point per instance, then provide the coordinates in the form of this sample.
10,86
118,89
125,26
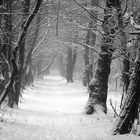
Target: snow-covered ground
53,110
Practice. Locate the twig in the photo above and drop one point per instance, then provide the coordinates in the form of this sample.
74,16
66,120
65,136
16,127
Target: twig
114,109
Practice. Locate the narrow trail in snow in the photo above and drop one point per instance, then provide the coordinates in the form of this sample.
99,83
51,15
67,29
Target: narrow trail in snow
52,110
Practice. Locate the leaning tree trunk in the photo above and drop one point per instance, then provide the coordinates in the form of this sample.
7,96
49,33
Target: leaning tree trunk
26,9
5,41
7,45
99,84
27,73
130,108
14,58
71,60
21,54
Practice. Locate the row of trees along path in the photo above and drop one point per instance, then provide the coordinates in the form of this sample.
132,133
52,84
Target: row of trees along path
112,27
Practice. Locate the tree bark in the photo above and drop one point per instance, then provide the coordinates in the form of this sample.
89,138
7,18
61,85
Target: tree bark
6,51
99,84
14,57
61,66
86,76
129,110
90,40
28,74
13,101
125,77
71,60
123,42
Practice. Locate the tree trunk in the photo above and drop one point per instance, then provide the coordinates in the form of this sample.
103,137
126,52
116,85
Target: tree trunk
21,54
99,84
1,47
126,63
125,77
14,57
9,86
28,74
69,67
129,110
7,37
90,40
71,60
62,66
7,45
86,76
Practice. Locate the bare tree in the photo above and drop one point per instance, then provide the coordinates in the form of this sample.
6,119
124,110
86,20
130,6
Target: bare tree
13,78
99,84
129,110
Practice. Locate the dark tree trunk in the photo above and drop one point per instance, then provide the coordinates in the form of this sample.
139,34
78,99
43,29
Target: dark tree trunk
126,62
61,66
26,8
125,77
71,60
99,84
129,110
90,40
14,57
9,85
7,36
7,45
8,29
69,67
86,76
126,73
1,47
21,54
28,73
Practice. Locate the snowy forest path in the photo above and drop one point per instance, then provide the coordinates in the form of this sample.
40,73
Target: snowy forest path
52,110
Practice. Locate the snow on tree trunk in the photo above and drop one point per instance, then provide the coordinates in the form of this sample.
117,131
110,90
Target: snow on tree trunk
99,84
86,77
130,108
21,54
27,73
88,55
14,58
